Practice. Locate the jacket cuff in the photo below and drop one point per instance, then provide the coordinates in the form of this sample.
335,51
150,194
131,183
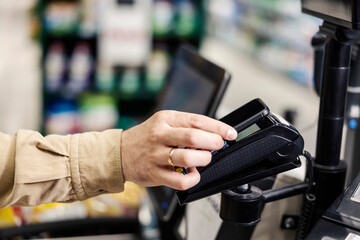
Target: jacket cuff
95,163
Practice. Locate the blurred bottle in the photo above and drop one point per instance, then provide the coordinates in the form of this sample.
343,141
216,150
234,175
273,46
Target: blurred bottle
130,81
98,112
61,18
105,77
80,68
55,63
89,18
185,18
156,70
62,118
163,14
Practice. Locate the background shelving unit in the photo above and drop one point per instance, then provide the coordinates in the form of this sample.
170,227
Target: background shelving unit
274,33
86,87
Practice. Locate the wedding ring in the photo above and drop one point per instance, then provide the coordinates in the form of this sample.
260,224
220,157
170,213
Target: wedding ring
170,156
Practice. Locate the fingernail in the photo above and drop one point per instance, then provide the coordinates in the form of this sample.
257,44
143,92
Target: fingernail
231,134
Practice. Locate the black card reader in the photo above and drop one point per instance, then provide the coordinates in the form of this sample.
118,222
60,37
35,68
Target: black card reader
266,145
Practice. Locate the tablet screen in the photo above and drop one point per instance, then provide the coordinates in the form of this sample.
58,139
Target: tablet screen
188,90
194,85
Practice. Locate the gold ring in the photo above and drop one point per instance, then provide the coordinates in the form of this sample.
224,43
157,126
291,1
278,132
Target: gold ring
170,156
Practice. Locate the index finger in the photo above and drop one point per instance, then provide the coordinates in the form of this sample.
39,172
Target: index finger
192,120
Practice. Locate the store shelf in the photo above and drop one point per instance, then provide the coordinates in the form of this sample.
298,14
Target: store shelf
282,34
275,33
76,63
282,8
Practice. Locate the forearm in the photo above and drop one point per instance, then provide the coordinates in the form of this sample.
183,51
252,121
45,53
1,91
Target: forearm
36,169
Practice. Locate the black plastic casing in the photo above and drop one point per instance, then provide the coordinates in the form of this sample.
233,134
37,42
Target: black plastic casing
344,13
264,153
247,114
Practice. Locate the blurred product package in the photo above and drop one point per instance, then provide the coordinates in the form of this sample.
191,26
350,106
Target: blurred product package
125,33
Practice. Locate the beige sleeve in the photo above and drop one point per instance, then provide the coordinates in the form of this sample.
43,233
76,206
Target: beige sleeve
36,169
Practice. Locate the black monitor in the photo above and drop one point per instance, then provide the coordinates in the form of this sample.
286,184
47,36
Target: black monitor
196,85
345,13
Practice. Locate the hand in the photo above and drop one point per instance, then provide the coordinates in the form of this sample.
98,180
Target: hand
145,148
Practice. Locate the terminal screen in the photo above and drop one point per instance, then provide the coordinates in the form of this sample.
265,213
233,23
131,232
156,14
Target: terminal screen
247,132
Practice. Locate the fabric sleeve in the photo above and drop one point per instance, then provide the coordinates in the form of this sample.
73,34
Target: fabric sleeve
36,170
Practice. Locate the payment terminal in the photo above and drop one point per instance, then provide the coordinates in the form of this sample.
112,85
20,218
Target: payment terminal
266,145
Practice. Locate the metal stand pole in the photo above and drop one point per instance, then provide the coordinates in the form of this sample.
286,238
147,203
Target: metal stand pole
352,118
329,171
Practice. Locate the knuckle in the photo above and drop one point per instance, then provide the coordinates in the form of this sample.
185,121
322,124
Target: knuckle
186,183
159,116
196,179
191,138
154,135
197,121
219,142
186,159
182,185
221,130
164,117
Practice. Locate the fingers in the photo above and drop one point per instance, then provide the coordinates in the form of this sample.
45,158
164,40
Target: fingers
193,138
190,120
180,181
190,157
